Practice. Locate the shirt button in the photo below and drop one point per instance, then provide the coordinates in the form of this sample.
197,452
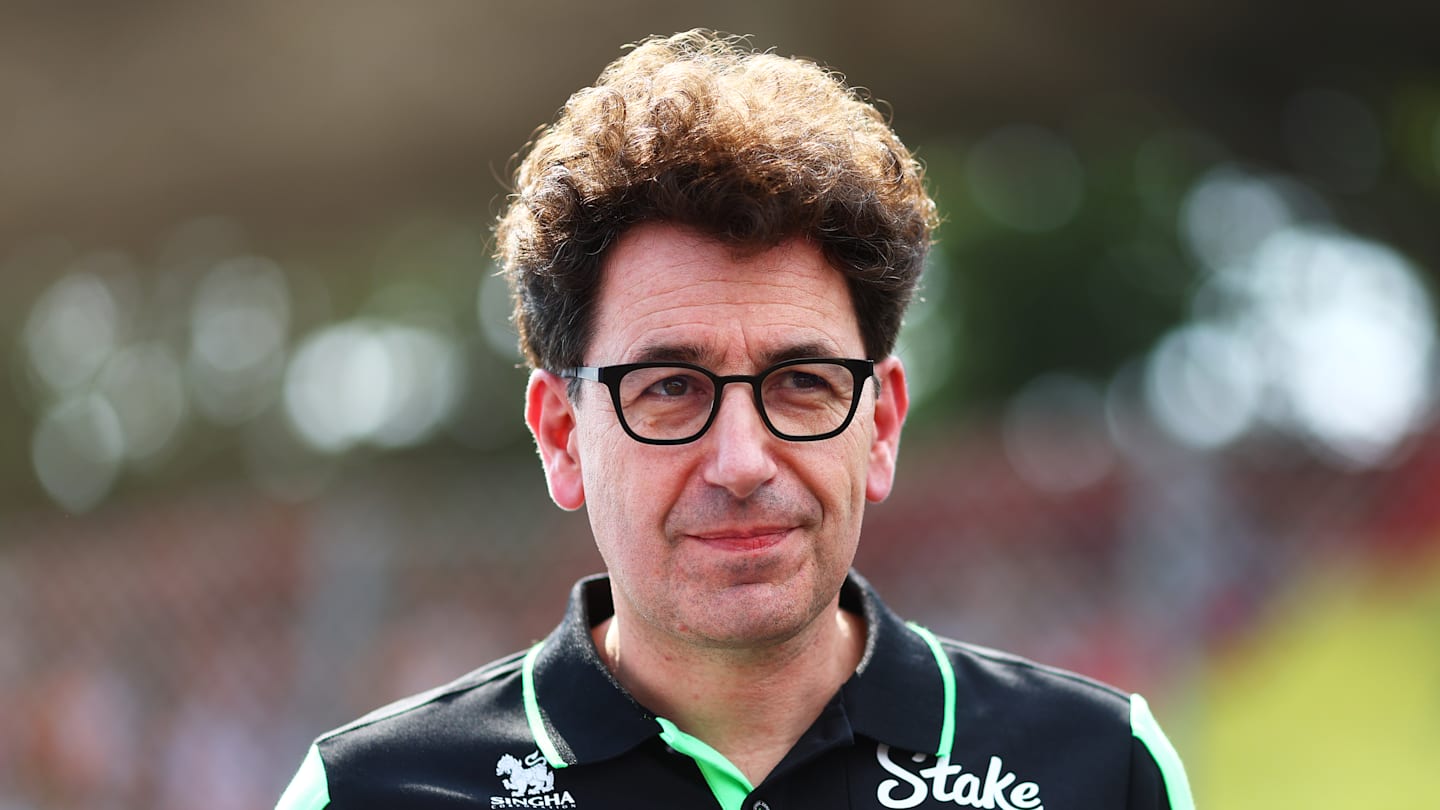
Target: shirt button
760,805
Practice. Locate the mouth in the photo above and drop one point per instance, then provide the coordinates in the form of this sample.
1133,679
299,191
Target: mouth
743,539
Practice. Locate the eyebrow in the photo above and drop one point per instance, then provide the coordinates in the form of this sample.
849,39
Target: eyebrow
670,352
697,355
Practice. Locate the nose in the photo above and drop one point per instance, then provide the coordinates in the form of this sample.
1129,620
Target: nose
738,444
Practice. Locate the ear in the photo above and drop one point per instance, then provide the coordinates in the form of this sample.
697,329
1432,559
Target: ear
551,417
891,404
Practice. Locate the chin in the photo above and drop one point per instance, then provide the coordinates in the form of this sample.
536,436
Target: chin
751,615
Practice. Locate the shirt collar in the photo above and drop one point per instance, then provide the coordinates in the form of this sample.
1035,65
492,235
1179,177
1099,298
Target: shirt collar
896,695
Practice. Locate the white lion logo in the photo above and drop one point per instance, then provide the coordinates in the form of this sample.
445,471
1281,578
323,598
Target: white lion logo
529,778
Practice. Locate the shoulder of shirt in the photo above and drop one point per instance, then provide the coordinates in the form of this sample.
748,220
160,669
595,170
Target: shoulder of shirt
1044,704
1023,674
472,681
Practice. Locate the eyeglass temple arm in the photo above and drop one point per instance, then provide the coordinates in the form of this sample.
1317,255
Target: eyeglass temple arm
591,373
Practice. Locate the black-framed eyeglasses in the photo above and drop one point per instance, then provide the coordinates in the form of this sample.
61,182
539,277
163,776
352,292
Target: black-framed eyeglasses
803,400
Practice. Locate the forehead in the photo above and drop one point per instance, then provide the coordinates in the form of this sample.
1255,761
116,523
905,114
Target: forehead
671,293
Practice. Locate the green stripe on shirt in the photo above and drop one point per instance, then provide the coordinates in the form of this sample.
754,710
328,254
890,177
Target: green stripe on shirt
309,790
947,683
532,709
1145,728
726,781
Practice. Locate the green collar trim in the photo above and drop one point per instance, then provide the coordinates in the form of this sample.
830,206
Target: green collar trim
947,678
725,780
532,710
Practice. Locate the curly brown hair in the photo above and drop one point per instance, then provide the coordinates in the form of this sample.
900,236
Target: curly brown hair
749,148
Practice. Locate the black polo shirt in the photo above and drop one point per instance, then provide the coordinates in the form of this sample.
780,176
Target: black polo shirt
923,723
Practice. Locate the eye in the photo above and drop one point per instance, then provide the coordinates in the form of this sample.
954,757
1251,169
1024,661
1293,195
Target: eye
671,383
798,380
663,384
672,387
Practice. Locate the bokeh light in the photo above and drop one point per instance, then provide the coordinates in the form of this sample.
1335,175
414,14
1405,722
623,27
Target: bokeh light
1056,435
72,329
1228,213
1322,334
144,384
77,450
492,305
372,382
1204,385
239,328
1349,333
927,336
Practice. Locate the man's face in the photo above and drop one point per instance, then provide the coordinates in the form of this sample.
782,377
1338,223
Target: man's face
739,538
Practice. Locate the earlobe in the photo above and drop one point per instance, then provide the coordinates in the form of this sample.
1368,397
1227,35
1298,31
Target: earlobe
892,402
550,415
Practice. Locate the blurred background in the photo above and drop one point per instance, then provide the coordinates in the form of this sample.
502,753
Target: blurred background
262,464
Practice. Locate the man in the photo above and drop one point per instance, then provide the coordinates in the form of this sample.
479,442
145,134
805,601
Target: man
711,251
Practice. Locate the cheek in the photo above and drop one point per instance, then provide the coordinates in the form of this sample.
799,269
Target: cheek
833,474
849,466
628,490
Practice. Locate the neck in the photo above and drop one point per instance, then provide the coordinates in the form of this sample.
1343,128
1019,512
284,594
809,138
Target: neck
750,704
